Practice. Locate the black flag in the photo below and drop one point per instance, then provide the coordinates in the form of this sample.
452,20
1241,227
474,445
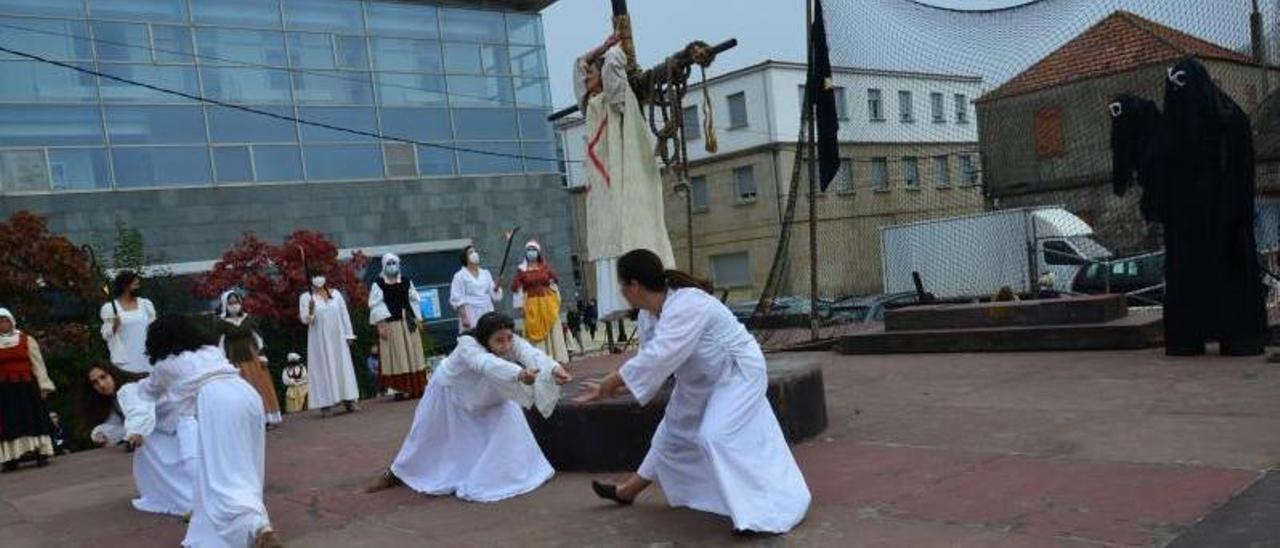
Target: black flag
822,95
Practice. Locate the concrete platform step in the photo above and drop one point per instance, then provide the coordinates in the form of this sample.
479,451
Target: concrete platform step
1133,332
1092,309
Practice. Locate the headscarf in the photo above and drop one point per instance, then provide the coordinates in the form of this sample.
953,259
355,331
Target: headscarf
524,261
388,258
227,295
11,338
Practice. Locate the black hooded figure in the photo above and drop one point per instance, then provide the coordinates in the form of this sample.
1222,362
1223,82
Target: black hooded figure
1134,123
1203,159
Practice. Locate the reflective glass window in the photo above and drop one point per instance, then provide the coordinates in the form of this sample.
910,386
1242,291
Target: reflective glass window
35,125
532,92
125,42
23,171
388,19
172,44
156,125
501,158
241,47
333,87
418,124
480,91
527,61
277,162
173,77
436,160
524,28
246,85
171,11
79,169
34,81
356,118
534,125
540,157
51,39
232,164
229,125
335,15
237,13
339,162
484,123
411,90
401,54
138,167
73,8
473,25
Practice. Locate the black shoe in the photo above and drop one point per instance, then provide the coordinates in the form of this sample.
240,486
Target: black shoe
42,460
609,492
9,466
350,406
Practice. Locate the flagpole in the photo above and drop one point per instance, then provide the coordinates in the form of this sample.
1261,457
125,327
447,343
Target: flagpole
811,121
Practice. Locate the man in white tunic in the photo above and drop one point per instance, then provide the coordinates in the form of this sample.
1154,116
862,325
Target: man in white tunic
332,374
624,198
718,448
228,510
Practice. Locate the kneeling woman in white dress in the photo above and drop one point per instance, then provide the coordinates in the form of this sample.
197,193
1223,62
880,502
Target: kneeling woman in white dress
164,458
228,509
469,436
719,448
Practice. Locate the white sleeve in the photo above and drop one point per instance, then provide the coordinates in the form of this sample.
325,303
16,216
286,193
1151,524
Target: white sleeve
546,393
495,290
150,308
139,411
303,300
107,314
415,300
675,336
458,291
348,332
112,431
377,305
154,385
614,76
486,363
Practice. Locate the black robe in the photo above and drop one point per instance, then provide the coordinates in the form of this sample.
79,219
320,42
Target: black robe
1203,160
1134,123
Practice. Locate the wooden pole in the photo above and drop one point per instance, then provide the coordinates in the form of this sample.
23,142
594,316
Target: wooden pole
813,184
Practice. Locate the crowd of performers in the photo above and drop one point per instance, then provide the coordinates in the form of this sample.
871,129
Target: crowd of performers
195,418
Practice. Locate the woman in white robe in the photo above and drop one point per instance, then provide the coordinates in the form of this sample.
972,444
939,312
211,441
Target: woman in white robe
332,375
124,323
165,444
473,291
227,510
719,448
469,436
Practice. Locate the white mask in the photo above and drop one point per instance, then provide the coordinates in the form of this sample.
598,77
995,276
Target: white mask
531,254
233,309
317,281
392,269
473,258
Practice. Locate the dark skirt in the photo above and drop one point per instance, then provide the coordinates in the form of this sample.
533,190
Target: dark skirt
23,412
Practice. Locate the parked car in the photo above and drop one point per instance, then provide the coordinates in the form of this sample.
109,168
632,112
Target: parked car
1141,277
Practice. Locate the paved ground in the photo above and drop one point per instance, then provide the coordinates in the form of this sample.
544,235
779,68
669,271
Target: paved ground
1034,450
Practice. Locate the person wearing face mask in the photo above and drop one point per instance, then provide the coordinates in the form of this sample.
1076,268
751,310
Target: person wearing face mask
124,323
332,374
536,280
25,427
469,436
239,339
395,309
473,291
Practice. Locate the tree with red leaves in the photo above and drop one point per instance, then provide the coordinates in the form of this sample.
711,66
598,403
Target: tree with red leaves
272,276
42,275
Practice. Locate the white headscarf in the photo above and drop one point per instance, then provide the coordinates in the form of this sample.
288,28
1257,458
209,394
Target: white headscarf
9,339
389,258
227,295
524,261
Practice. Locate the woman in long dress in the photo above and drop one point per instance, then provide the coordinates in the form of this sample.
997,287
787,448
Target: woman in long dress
719,448
473,291
124,323
395,310
536,280
332,375
25,426
164,443
227,509
469,436
239,339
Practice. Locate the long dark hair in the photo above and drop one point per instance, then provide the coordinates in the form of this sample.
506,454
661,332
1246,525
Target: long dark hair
489,324
122,282
644,267
95,408
174,334
462,257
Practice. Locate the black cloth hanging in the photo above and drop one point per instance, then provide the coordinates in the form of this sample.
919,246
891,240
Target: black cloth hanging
1134,122
1204,153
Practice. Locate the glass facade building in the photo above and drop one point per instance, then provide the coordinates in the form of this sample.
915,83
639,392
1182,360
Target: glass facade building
458,81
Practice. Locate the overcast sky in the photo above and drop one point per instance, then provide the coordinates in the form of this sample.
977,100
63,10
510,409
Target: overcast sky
891,34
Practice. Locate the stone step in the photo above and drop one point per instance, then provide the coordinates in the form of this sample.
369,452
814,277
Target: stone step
1132,332
613,435
1091,309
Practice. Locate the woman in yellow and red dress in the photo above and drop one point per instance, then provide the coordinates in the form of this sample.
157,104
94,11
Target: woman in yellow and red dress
537,281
